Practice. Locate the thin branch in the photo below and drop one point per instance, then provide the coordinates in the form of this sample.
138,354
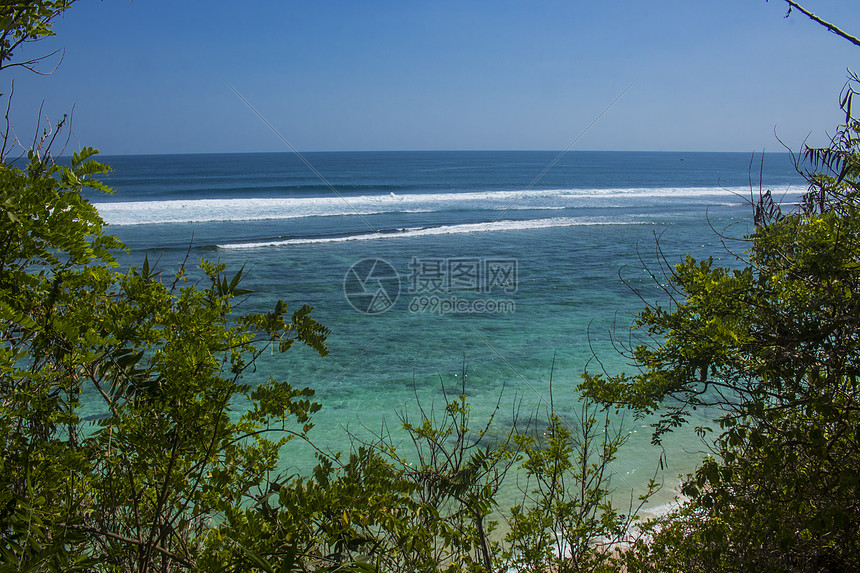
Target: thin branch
3,151
824,23
30,65
178,558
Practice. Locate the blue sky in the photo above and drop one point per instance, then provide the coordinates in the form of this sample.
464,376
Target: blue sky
151,76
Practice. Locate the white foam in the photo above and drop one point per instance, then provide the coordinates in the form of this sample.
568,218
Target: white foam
258,209
506,225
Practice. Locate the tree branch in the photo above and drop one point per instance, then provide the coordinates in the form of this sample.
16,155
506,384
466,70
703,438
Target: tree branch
185,561
824,23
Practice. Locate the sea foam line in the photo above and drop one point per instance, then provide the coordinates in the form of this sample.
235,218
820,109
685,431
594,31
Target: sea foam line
253,209
506,225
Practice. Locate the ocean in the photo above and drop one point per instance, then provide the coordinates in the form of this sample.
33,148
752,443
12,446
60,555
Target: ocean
436,271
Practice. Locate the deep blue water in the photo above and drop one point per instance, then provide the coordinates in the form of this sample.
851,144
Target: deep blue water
499,261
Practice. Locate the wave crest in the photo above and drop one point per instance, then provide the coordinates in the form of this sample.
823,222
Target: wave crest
260,209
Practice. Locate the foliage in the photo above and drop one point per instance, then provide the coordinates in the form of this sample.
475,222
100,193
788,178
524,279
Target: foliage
379,510
568,520
459,472
436,506
137,483
776,346
23,21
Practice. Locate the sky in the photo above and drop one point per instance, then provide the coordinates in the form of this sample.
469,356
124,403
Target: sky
155,76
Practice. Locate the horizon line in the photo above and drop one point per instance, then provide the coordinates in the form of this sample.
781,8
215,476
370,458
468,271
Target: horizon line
288,152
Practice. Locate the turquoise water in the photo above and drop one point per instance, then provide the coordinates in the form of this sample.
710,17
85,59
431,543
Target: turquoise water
426,264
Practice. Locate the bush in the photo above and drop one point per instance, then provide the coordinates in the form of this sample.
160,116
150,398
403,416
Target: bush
776,346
